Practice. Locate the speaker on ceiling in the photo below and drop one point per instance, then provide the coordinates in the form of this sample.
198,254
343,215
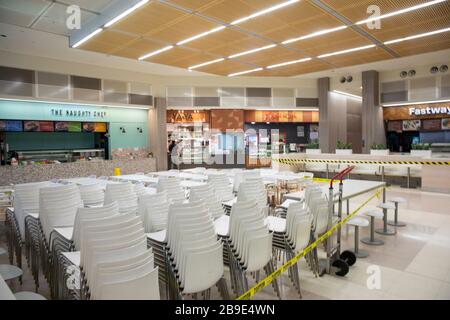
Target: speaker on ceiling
411,73
349,79
403,74
443,68
342,80
434,70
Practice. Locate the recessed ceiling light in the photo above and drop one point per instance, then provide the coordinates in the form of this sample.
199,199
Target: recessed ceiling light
93,34
346,51
154,53
206,63
252,51
288,63
4,36
201,35
314,34
418,36
244,72
347,94
264,11
125,13
387,15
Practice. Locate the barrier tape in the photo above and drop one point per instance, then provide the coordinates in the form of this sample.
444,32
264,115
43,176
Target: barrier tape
296,161
269,279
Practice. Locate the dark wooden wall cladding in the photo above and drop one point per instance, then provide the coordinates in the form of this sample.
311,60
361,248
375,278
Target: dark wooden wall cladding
402,113
86,83
140,99
188,116
17,75
307,102
227,119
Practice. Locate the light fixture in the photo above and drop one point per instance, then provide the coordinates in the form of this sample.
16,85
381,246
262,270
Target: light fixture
418,36
244,72
206,63
201,35
414,103
346,51
91,35
126,12
314,34
252,51
347,94
154,53
253,122
387,15
288,63
264,11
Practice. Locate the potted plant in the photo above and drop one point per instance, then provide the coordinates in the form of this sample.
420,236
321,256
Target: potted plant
422,150
313,148
379,150
344,148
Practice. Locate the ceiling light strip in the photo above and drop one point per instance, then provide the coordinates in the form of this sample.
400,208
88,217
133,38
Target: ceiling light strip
251,51
288,63
125,13
413,8
93,34
414,103
345,51
314,34
418,36
264,11
154,53
206,63
347,94
201,35
244,72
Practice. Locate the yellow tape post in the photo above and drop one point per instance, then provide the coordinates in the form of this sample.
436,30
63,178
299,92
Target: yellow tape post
298,161
268,280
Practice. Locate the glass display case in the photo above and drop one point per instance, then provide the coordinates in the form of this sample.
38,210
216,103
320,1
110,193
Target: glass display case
59,156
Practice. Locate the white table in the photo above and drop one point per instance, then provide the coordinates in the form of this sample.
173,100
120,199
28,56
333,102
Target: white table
5,291
187,184
193,176
138,178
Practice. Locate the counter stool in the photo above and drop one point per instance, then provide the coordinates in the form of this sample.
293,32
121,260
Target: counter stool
358,222
396,202
371,241
385,231
10,272
27,295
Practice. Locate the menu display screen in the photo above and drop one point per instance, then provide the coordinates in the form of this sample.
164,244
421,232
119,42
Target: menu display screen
411,125
88,127
396,126
46,126
100,127
2,125
446,124
31,126
14,126
431,125
74,126
61,126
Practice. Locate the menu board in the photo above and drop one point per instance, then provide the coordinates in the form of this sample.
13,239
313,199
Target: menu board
396,126
46,126
62,126
31,126
2,125
100,127
445,124
88,127
14,126
431,125
74,126
411,125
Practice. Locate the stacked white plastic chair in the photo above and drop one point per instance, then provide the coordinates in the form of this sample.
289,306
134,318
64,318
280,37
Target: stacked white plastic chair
173,189
222,186
154,210
253,189
140,189
92,194
125,195
194,255
209,197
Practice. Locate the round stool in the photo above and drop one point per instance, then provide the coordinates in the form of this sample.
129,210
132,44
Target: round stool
9,272
27,295
371,241
358,222
385,231
397,223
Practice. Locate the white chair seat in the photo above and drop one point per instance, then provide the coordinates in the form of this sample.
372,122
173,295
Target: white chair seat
157,236
221,225
229,203
276,224
34,215
386,205
287,203
65,232
9,272
374,213
10,209
27,295
397,200
73,257
358,221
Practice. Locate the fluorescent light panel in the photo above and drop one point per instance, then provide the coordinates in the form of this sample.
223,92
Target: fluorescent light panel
314,34
244,72
420,6
251,51
264,11
154,53
201,35
93,34
414,103
206,63
346,51
288,63
126,12
347,94
418,36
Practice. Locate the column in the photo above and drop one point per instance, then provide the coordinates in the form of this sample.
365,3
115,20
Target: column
157,118
324,130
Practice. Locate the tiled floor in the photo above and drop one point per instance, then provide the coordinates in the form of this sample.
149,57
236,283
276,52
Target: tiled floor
413,264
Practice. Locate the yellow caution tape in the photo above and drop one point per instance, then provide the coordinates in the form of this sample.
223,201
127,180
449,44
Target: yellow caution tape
268,280
298,161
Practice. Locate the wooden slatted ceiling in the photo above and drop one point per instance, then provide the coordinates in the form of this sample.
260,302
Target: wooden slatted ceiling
271,56
361,57
221,39
233,46
432,43
299,68
225,67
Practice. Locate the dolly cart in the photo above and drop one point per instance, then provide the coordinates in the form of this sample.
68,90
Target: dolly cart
336,262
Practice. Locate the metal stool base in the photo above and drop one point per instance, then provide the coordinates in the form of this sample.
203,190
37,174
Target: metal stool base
361,253
375,242
388,232
396,224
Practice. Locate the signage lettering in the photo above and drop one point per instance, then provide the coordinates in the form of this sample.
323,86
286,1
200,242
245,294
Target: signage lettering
78,113
429,111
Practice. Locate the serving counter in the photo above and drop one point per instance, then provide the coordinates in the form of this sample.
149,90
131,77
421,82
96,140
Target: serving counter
44,172
434,178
